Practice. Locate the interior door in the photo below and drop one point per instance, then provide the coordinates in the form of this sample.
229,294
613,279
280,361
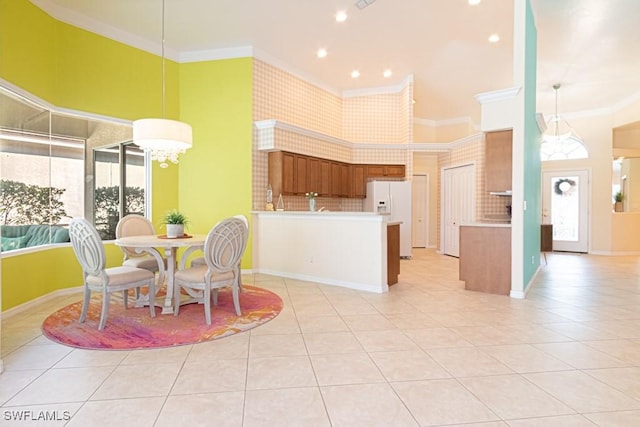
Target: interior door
458,203
420,196
565,204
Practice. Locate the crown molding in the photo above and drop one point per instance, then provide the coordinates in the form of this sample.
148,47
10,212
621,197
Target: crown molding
216,54
266,137
497,95
381,90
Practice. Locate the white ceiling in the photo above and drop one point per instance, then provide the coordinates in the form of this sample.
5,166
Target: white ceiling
592,47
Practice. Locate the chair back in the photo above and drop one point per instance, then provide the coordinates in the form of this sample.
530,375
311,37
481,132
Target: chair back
246,231
225,245
133,225
87,246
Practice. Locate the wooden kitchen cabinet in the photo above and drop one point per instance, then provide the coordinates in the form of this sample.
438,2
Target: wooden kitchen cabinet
358,181
393,253
498,158
388,171
300,178
296,174
325,178
313,175
339,179
485,259
281,173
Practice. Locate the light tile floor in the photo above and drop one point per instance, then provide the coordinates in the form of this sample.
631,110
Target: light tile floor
427,353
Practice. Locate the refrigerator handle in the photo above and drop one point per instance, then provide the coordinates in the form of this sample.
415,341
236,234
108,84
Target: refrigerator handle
391,204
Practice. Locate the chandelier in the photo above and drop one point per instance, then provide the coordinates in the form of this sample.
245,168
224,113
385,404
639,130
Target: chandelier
164,139
558,129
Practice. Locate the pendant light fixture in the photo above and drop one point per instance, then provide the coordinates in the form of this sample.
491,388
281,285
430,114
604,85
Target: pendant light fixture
164,139
558,129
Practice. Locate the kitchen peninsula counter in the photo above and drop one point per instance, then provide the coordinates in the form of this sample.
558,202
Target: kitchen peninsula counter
347,249
485,257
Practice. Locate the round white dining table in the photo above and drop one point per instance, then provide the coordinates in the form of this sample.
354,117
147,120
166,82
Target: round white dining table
151,244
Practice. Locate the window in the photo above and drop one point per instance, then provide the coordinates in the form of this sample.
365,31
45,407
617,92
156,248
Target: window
563,149
47,171
118,191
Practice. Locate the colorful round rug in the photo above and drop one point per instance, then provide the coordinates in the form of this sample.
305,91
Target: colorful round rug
134,328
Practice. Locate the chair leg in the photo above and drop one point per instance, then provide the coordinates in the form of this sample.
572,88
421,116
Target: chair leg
239,278
125,298
215,296
85,304
207,303
236,299
152,297
105,310
176,299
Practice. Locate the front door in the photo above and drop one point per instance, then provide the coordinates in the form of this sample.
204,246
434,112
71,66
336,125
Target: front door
565,205
458,205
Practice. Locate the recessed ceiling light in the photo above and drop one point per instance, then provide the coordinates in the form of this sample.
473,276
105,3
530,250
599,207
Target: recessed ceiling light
387,73
321,53
494,38
473,2
341,16
355,74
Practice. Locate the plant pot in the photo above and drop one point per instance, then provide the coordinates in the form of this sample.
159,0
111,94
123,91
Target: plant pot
617,207
175,230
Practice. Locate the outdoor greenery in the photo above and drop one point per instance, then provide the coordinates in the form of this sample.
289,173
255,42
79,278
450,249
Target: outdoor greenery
107,208
23,204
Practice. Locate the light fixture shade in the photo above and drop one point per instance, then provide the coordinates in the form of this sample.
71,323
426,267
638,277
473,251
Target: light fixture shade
164,139
559,130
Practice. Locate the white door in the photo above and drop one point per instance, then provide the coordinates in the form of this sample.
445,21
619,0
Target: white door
420,210
565,204
458,205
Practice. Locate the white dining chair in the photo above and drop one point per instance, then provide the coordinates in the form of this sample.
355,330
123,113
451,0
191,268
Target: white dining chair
90,252
200,260
137,225
223,249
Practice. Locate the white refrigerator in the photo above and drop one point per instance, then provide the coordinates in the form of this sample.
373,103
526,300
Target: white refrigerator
394,198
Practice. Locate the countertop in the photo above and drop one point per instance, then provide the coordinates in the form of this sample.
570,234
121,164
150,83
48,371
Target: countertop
323,213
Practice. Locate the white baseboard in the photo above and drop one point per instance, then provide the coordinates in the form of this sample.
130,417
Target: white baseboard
326,281
615,253
44,298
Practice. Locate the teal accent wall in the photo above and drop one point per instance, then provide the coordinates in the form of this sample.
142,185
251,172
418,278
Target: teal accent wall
532,169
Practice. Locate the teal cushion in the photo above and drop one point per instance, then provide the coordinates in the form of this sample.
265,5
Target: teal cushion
11,243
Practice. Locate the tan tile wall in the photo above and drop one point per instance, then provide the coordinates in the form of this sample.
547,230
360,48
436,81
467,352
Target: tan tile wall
471,152
281,96
384,118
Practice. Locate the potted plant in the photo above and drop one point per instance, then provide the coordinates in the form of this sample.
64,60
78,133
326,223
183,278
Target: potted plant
617,207
175,222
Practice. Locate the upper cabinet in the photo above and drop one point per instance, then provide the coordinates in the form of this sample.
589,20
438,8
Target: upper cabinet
388,171
498,157
293,174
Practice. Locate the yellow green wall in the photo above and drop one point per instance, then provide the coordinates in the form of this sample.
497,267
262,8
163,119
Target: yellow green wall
215,175
75,69
27,47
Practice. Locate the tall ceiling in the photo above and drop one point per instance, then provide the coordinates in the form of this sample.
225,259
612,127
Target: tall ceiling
591,47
